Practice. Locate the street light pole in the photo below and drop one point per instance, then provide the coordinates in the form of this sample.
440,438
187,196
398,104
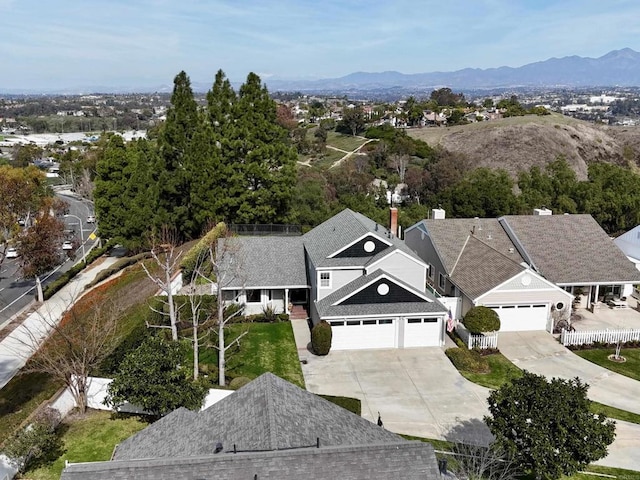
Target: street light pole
84,259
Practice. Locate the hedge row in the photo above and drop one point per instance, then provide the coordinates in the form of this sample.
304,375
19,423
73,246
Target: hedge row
66,277
116,267
594,345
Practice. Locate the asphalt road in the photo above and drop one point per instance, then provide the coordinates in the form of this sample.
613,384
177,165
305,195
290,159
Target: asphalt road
15,292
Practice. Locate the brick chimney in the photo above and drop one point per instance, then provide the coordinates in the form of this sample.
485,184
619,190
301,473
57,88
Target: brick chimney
393,221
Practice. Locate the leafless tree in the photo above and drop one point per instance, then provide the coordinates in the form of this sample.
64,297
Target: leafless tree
74,345
84,185
167,257
226,264
400,163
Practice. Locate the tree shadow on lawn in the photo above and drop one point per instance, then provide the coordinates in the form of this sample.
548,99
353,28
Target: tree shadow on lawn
474,432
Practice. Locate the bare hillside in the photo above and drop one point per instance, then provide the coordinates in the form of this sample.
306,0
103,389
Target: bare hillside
517,143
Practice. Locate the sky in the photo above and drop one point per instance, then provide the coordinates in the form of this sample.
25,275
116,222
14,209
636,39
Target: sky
57,44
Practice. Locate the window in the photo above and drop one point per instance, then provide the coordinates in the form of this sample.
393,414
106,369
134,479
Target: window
253,296
441,281
353,322
337,323
430,271
414,320
325,279
368,322
386,321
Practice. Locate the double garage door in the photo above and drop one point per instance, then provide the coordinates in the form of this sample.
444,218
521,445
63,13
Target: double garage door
519,318
385,333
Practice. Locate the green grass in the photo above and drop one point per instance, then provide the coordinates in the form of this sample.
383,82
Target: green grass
599,356
90,439
501,371
20,397
344,142
615,413
268,347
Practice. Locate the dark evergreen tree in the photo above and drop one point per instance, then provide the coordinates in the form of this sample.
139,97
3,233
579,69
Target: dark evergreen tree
174,157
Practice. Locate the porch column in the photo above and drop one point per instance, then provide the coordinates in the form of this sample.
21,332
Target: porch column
286,301
597,293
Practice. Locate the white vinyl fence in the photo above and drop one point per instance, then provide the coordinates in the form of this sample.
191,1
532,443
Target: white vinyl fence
489,340
602,336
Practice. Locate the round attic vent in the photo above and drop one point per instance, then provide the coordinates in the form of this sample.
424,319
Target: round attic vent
369,246
383,289
526,280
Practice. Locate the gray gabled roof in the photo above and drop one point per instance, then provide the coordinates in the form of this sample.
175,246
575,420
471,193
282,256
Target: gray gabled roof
449,236
326,307
343,229
391,460
570,249
480,268
267,414
265,262
629,243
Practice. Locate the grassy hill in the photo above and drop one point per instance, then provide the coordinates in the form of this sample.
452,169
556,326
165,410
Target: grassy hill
517,143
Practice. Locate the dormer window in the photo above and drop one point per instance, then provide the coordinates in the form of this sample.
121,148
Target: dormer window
325,279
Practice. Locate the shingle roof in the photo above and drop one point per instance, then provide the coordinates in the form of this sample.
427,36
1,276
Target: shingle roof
275,427
341,230
450,235
570,249
326,308
268,262
401,459
267,414
481,268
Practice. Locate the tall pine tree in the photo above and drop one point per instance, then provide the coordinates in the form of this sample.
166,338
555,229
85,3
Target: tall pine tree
174,144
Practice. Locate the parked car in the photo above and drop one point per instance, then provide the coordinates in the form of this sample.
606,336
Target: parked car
11,253
67,245
91,219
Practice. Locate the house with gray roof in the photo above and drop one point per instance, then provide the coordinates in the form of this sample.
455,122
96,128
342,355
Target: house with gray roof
528,268
269,428
349,271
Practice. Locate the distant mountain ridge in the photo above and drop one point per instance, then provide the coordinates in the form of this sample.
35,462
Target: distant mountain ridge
616,68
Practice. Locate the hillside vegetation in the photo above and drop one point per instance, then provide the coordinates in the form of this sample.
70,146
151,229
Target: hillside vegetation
518,143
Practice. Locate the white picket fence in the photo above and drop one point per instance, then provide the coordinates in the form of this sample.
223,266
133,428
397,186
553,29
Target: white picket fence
489,340
603,336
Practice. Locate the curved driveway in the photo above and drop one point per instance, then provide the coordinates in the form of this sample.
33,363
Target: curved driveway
540,353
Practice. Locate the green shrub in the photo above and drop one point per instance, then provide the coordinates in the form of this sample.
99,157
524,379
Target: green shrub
354,405
468,360
321,335
481,319
238,382
283,317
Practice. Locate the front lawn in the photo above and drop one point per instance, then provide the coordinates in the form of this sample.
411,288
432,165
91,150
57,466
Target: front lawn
268,347
599,356
91,438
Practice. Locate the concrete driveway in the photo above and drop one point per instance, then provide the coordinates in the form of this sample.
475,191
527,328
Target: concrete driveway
417,391
540,353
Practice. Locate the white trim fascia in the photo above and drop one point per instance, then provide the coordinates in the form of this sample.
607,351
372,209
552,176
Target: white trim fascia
527,271
263,287
388,278
587,284
439,315
369,267
337,252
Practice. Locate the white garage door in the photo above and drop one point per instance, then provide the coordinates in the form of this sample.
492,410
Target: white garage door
361,334
519,318
422,332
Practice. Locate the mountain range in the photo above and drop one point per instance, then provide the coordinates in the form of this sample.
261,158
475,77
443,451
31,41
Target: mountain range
616,68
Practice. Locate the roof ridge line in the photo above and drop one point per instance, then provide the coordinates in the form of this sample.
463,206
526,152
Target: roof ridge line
455,264
271,417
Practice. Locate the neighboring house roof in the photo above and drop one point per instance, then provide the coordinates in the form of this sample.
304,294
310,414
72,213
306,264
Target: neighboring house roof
569,249
629,243
276,428
449,236
402,299
265,262
343,229
480,268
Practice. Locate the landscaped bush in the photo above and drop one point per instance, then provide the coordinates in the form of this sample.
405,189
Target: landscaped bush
354,405
238,382
195,256
321,336
468,360
116,267
481,319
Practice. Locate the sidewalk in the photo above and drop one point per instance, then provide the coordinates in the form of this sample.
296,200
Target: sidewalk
20,344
